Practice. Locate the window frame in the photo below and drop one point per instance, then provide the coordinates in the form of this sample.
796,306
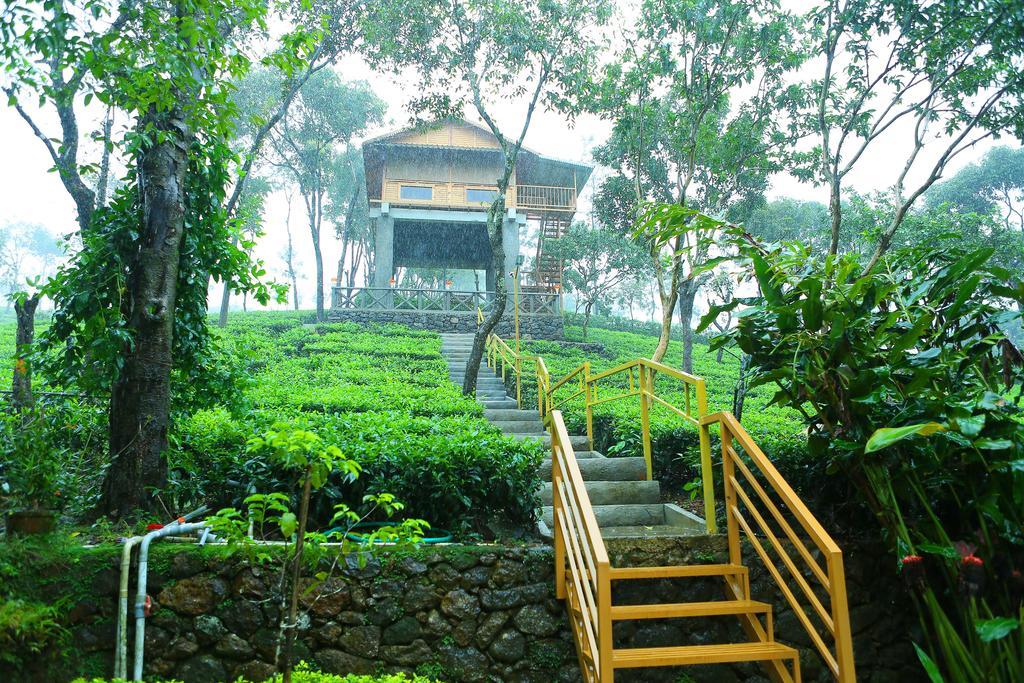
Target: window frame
428,188
492,190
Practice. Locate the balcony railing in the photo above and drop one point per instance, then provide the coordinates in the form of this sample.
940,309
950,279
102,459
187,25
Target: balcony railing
469,196
412,299
545,197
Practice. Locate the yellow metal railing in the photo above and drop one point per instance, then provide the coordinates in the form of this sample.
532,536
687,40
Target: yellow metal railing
636,378
582,569
746,495
583,575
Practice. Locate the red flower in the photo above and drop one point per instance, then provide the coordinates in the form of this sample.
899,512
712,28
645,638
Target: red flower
912,567
972,570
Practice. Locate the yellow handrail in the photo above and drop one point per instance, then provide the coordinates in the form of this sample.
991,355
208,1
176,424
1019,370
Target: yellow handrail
642,375
739,502
580,549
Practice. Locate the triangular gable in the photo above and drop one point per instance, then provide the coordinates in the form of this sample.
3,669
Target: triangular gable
446,134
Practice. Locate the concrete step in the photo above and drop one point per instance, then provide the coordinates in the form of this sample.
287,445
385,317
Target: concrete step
651,514
482,383
534,426
613,492
603,469
578,442
511,414
659,531
488,393
497,403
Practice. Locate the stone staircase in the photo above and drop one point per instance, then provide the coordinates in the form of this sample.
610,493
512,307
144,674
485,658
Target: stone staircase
625,503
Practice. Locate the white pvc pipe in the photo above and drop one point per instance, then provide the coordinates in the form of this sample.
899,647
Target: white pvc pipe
121,653
140,594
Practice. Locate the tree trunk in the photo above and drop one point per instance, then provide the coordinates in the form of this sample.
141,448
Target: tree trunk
835,210
225,297
476,354
296,571
586,318
21,387
687,293
315,216
739,392
141,395
668,307
319,281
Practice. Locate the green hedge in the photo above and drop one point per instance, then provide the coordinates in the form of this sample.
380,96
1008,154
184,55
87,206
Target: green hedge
381,393
304,674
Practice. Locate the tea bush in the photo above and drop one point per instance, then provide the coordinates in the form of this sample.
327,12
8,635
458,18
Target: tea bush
382,395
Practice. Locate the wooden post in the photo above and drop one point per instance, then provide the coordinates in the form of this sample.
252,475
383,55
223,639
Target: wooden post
841,619
590,406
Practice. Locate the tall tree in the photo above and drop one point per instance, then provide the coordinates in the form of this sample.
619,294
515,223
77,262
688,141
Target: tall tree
291,264
697,103
791,220
945,74
597,261
992,186
479,53
325,117
348,209
130,306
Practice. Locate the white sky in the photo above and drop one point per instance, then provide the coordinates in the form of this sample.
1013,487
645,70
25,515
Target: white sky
29,193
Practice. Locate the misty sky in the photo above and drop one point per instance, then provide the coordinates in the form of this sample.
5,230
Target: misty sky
29,193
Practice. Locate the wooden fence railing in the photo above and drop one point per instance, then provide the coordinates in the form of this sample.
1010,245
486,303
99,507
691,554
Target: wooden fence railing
545,197
417,299
751,492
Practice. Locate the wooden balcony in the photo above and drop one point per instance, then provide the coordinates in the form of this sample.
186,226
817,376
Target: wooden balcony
546,198
428,194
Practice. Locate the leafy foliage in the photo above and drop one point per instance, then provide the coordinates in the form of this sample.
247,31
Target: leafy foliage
380,394
909,388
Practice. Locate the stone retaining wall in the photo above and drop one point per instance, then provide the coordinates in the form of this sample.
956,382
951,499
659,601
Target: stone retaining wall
530,326
473,613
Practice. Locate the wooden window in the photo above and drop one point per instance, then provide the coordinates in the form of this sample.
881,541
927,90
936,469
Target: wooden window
423,192
479,194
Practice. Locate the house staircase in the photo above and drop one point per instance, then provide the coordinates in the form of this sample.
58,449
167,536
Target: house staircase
589,499
547,276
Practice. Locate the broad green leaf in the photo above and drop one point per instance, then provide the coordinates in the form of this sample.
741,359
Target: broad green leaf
887,436
930,667
288,524
769,289
946,551
993,444
994,629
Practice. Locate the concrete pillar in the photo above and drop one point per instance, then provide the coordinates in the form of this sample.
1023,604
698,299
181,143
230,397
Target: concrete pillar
489,280
510,240
384,251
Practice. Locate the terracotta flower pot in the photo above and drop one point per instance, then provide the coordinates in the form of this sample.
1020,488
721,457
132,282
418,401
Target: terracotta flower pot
26,522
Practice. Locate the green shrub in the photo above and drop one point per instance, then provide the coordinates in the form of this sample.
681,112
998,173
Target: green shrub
30,632
381,393
304,674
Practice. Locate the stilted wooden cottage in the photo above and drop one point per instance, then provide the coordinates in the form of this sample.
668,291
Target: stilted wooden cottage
429,190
